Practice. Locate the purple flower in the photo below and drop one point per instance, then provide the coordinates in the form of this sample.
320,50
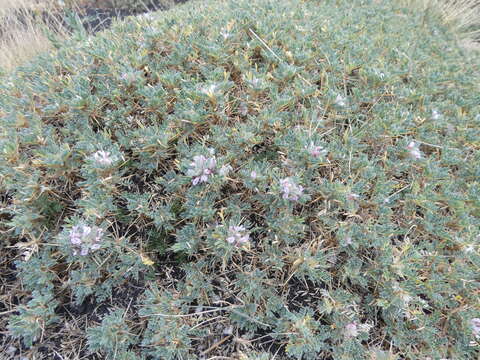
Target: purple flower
85,239
129,77
201,168
352,197
414,151
316,150
291,191
475,324
351,330
237,235
340,101
348,240
75,236
211,90
103,157
436,115
225,33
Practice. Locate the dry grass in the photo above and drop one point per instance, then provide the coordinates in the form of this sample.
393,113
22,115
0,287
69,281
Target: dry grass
22,30
462,16
22,26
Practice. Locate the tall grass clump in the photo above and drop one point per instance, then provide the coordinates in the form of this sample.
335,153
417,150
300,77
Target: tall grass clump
278,179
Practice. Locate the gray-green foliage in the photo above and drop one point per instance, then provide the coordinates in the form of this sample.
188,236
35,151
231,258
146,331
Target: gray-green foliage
341,136
34,317
112,336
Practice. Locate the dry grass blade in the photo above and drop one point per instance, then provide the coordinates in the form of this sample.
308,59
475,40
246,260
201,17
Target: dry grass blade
462,15
22,35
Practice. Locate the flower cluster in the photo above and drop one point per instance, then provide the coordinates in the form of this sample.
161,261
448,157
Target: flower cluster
352,197
436,115
237,235
201,168
212,90
85,239
414,151
129,77
291,191
103,158
225,34
351,330
354,329
316,150
340,101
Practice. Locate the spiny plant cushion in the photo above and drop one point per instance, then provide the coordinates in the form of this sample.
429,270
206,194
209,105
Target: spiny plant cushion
282,177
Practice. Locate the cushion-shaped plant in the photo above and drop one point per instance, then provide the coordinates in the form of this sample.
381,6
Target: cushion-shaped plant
279,163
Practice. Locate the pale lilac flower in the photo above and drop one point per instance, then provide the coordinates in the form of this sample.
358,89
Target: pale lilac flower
225,33
228,330
75,236
85,239
348,240
291,191
352,197
225,170
147,16
354,329
468,248
436,115
243,109
316,150
201,168
129,77
414,151
237,235
340,101
253,174
210,90
103,158
475,323
351,330
254,82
